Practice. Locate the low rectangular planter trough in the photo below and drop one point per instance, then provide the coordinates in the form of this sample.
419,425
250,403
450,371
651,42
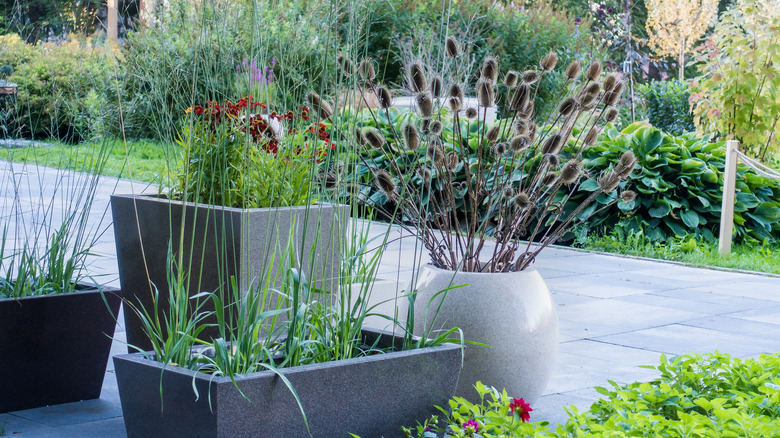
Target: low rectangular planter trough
370,396
54,348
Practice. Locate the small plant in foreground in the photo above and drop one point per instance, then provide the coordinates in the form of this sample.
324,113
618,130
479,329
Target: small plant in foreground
497,414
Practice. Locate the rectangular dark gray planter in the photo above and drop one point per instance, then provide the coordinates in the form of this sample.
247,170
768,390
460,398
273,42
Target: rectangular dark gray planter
370,396
219,242
54,348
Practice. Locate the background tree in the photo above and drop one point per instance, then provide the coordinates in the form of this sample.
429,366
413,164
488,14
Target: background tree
675,26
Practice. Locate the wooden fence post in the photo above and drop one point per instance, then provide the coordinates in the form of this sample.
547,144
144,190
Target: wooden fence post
112,19
727,208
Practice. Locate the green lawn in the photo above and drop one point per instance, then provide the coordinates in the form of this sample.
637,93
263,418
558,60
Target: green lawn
143,160
759,258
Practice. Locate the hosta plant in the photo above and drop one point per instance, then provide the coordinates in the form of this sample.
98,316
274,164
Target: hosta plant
457,180
679,186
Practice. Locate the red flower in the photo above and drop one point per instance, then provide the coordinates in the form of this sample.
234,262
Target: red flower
521,408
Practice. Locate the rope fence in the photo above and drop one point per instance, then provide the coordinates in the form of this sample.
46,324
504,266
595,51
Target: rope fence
733,155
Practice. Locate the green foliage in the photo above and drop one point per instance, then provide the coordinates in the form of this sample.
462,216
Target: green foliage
59,87
235,158
738,94
666,106
695,396
763,257
679,183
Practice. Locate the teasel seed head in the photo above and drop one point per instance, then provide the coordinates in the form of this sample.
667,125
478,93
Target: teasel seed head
627,163
567,107
436,154
619,86
608,181
571,171
520,97
593,88
417,80
436,85
527,111
509,192
531,131
452,161
521,201
520,127
519,143
359,137
471,113
345,65
436,127
384,97
612,98
485,93
549,178
552,145
374,138
492,134
323,108
591,136
530,76
411,136
452,47
553,160
425,103
499,149
385,182
587,99
573,70
366,70
610,82
490,69
511,78
611,115
425,175
455,104
331,180
628,196
548,62
425,125
594,71
456,91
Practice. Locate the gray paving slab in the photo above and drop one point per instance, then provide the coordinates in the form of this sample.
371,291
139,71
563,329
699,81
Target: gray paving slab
615,314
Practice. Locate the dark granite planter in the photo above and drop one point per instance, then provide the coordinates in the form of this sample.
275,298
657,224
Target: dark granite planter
54,348
223,242
371,397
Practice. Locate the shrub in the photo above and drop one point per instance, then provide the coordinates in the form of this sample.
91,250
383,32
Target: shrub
666,106
679,180
58,86
738,94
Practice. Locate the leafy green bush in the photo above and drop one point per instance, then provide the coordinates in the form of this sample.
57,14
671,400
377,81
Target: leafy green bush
713,395
695,396
679,183
58,85
666,106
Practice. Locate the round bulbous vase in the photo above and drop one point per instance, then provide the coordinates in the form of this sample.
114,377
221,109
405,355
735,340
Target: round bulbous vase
511,312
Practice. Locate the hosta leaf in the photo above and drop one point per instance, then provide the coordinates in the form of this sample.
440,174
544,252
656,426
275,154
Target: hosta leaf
589,185
660,209
692,163
676,228
690,218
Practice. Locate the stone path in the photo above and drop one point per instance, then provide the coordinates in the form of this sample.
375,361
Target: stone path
615,314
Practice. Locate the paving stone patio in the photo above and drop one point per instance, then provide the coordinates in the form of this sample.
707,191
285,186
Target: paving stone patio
615,314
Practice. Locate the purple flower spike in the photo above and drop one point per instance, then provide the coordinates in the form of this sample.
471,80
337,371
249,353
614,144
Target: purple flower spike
577,21
273,62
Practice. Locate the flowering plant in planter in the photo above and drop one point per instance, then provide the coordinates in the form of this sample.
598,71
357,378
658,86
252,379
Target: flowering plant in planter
235,156
461,180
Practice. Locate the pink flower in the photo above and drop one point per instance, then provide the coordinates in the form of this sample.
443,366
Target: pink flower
471,427
520,407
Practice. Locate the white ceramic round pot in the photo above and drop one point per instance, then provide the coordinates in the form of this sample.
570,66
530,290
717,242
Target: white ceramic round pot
512,312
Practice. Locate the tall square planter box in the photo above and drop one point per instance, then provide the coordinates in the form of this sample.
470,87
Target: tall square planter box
54,348
371,396
218,243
